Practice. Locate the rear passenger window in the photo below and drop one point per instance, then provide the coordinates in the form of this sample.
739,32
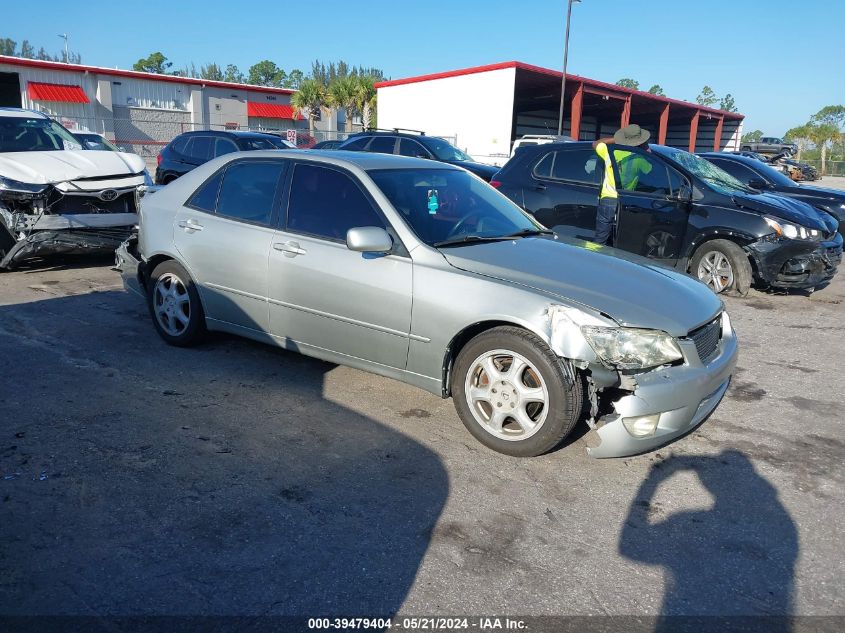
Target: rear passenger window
358,144
581,166
200,148
224,146
382,144
248,191
327,203
205,198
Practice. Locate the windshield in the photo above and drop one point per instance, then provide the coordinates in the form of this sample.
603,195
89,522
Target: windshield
96,142
444,204
445,151
714,177
21,134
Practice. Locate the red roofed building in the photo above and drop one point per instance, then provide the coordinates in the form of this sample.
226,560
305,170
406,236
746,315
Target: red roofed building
488,107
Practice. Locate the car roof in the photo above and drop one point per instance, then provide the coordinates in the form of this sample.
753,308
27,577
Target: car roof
235,133
362,160
389,133
738,158
20,112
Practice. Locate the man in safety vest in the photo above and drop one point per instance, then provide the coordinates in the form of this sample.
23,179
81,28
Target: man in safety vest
631,167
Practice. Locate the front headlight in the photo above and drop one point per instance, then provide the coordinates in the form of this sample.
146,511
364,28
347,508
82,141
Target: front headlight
792,231
632,348
15,186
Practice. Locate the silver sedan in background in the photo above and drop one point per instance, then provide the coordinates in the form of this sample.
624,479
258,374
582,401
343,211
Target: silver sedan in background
422,272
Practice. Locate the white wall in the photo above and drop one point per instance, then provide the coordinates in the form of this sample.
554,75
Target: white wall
476,108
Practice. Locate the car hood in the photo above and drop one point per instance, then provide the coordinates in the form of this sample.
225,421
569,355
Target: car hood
64,165
631,293
834,194
789,209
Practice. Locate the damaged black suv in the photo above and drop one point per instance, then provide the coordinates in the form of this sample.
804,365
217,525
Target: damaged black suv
681,210
58,198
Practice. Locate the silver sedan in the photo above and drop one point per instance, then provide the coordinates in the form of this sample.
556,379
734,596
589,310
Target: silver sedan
422,272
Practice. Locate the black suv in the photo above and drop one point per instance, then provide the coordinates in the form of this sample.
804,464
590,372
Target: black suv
417,145
764,177
192,149
680,210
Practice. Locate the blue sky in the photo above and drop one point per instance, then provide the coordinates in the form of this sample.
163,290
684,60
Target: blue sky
782,60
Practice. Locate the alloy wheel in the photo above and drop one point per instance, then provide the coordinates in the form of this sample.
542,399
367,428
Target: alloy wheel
171,304
716,271
507,395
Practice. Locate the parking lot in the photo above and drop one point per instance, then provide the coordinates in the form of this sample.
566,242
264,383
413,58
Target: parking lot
235,478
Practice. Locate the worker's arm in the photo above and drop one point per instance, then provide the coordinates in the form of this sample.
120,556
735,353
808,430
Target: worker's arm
607,141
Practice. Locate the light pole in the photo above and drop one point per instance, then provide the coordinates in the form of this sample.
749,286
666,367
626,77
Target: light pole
565,58
64,36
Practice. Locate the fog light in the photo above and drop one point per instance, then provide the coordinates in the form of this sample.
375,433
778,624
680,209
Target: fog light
642,425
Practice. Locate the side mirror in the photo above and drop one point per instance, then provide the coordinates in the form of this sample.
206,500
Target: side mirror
758,184
368,239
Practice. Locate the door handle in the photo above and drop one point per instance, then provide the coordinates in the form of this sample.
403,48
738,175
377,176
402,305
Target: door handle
290,249
190,225
539,187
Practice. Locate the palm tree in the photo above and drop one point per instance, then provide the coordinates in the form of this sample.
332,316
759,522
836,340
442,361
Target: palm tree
309,100
799,135
342,95
365,98
821,134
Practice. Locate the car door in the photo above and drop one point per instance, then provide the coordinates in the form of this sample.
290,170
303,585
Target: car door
562,191
224,234
652,217
324,295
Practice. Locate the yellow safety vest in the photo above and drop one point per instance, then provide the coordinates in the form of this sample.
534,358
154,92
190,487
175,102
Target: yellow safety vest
631,165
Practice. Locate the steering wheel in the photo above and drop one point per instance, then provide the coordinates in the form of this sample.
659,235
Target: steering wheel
456,230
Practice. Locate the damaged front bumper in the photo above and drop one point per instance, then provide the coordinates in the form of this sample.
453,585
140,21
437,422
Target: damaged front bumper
680,396
788,263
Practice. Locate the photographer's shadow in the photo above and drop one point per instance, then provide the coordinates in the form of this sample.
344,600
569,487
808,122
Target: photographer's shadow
736,558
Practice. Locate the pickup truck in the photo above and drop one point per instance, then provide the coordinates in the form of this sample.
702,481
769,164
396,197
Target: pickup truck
770,145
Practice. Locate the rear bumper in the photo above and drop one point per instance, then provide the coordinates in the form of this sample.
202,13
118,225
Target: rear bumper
796,263
131,267
683,397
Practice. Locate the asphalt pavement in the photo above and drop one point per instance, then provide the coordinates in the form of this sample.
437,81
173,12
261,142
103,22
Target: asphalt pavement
238,479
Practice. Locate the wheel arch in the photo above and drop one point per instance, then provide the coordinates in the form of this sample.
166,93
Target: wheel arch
740,238
149,265
464,336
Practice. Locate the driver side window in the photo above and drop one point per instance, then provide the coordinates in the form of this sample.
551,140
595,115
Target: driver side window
642,173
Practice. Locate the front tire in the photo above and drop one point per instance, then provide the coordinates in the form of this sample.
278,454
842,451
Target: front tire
723,266
175,306
511,393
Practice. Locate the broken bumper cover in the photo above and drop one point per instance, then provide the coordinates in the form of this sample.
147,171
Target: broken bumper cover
683,396
130,267
71,234
785,263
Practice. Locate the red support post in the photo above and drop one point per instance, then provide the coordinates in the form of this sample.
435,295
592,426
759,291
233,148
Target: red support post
626,112
717,140
664,125
693,130
575,113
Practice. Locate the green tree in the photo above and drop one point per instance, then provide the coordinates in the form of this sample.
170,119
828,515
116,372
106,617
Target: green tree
155,63
752,137
657,90
27,50
821,134
342,95
727,103
44,55
309,100
265,73
294,79
707,97
233,75
800,135
8,46
627,82
212,72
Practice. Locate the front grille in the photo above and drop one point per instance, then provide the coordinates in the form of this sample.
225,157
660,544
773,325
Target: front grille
75,203
706,339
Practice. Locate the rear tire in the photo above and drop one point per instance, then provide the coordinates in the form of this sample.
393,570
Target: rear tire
512,395
723,266
175,306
